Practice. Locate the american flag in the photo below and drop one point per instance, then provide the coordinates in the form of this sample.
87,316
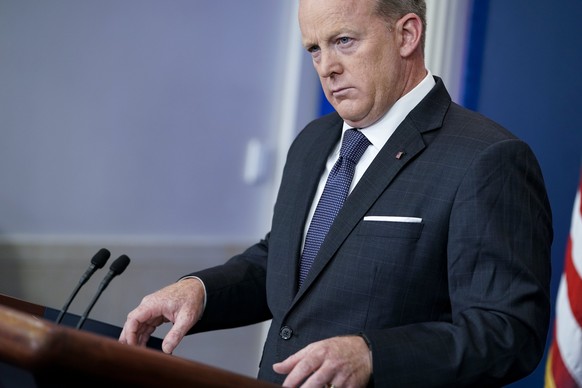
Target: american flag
564,362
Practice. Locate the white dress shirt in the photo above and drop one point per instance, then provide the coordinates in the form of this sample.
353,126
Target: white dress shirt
378,134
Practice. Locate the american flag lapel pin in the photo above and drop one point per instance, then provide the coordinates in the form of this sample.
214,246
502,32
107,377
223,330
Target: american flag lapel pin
399,155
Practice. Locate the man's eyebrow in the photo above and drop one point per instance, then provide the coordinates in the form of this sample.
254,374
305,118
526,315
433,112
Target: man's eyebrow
307,44
332,36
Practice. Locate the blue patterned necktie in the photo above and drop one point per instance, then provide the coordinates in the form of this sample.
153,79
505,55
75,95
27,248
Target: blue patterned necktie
332,199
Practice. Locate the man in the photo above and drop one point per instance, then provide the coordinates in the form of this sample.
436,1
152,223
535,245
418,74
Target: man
434,272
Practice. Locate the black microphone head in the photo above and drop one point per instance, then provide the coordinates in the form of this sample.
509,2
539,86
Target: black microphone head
100,258
119,265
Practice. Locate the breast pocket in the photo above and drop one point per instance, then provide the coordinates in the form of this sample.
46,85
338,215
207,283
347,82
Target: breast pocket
391,229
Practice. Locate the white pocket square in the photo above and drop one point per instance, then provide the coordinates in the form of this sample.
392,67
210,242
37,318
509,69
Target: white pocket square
414,220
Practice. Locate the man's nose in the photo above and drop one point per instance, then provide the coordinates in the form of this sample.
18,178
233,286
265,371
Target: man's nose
329,64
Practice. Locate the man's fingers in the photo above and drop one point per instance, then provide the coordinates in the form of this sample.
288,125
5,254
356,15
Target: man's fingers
297,367
286,366
343,361
172,339
145,334
129,334
302,370
140,321
183,323
181,303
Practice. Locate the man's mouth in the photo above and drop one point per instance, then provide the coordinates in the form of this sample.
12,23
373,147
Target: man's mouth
340,92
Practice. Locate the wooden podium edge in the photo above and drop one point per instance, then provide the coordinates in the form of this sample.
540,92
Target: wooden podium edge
21,305
60,354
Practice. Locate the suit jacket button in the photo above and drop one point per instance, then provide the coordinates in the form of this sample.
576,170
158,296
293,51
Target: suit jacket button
286,332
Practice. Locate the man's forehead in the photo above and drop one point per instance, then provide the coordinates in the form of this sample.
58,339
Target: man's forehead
308,8
319,13
324,20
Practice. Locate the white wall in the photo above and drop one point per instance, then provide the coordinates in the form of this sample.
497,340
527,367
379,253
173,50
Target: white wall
132,117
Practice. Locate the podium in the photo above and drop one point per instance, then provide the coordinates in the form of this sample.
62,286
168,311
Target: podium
60,356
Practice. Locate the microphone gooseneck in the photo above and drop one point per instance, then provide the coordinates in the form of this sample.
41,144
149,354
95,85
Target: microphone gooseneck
97,262
116,268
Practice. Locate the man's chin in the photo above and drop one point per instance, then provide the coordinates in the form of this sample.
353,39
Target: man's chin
350,117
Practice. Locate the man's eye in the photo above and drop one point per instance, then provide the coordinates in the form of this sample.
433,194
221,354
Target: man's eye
344,40
313,49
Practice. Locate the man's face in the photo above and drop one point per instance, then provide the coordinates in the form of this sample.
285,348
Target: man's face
356,54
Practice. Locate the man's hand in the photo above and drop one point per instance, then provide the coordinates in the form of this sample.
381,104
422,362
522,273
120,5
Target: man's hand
339,361
181,303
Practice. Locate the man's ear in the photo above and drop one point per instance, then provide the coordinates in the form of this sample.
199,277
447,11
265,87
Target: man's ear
410,30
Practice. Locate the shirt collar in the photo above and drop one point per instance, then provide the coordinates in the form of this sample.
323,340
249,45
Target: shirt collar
379,132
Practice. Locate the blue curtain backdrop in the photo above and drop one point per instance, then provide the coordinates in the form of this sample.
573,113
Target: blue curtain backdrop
522,71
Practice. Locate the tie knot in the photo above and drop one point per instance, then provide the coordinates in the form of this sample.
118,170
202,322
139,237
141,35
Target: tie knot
354,145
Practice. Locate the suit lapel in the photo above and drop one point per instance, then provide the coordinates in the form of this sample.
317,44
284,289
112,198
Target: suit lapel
375,180
402,147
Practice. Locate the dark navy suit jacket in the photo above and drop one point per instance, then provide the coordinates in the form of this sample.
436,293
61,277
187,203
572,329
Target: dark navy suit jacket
458,299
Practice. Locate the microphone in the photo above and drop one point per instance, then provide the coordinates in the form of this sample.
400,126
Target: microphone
117,268
97,262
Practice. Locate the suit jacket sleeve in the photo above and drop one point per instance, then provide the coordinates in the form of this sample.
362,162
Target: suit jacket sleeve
236,293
